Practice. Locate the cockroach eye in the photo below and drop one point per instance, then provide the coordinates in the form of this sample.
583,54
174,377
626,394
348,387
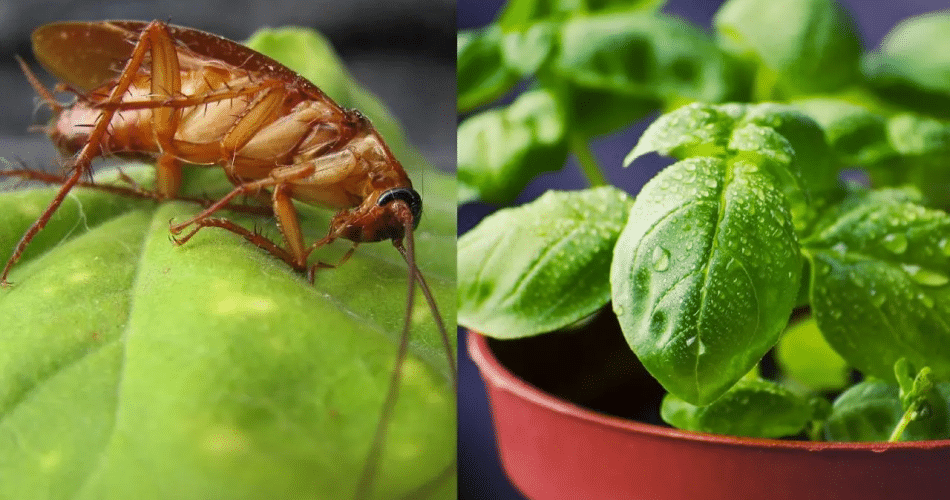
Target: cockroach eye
408,195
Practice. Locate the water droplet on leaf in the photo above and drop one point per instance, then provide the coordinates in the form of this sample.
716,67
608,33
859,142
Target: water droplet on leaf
895,242
925,277
661,259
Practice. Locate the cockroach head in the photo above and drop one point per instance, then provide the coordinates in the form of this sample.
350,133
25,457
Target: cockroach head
388,218
409,196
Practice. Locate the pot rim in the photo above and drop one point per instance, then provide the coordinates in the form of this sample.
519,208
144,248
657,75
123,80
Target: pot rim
501,378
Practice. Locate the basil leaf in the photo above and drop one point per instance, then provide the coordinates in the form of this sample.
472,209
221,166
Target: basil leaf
913,67
752,407
542,266
482,75
209,370
870,410
705,274
501,150
525,51
800,46
880,282
627,63
785,142
521,13
915,135
805,357
924,145
857,135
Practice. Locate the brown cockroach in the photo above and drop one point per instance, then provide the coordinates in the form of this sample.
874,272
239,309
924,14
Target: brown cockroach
180,95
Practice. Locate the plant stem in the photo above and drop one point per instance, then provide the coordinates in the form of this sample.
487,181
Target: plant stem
589,166
904,421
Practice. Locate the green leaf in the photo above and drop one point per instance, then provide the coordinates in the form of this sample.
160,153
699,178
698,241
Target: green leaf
482,74
857,135
501,150
921,401
785,143
520,13
542,266
913,66
526,50
880,281
870,410
705,274
805,357
915,135
798,46
133,367
617,67
752,407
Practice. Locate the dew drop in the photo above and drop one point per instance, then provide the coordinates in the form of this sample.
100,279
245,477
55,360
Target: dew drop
945,246
618,309
895,242
661,259
925,277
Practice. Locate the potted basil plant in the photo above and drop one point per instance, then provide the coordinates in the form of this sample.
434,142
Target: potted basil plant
787,277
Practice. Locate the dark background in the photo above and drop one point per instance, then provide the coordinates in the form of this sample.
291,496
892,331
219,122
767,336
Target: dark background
480,473
399,49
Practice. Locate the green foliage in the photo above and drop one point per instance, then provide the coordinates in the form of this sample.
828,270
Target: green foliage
702,287
913,67
552,267
805,357
500,150
752,407
751,221
880,282
793,46
874,410
132,367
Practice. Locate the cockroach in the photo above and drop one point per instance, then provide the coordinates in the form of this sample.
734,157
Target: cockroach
180,95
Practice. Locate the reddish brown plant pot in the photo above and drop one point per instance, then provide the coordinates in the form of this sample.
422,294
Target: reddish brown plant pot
553,449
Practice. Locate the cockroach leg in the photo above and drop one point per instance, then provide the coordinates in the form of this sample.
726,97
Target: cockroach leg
81,164
312,271
135,191
247,188
257,239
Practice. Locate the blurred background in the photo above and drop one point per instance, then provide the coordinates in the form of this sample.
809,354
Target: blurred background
480,473
401,50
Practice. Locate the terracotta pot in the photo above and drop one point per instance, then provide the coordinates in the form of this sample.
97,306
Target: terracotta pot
552,448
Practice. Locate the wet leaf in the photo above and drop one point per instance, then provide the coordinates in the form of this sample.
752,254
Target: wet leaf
705,274
880,267
753,408
542,266
782,141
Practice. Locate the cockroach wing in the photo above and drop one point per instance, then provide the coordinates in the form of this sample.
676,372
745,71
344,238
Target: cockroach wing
88,54
83,55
